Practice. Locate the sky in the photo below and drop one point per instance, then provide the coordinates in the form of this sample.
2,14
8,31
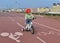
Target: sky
6,4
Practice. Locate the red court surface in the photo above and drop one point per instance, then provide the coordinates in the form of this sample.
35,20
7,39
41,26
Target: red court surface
47,30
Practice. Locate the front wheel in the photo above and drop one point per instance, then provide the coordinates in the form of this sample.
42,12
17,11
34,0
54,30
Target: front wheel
32,30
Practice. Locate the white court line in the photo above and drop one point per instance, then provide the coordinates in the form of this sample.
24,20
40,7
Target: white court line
48,26
40,39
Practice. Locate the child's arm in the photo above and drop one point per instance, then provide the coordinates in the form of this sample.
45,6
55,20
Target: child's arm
25,16
33,17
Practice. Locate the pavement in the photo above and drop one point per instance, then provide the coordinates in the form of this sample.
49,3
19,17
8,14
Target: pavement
47,30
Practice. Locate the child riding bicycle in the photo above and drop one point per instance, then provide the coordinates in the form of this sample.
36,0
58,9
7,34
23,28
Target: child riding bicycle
28,17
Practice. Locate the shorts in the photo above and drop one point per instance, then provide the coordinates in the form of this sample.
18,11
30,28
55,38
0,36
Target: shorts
28,21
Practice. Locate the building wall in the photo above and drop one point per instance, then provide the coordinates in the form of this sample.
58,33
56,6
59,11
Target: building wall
41,10
34,10
55,8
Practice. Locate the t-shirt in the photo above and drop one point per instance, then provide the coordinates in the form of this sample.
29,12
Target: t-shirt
28,16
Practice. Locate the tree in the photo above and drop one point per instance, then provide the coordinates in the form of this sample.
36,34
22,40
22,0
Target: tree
58,3
54,4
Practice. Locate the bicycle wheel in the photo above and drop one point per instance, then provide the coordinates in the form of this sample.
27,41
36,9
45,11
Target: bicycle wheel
32,30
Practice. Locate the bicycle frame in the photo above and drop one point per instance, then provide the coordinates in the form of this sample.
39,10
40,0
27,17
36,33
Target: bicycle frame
29,25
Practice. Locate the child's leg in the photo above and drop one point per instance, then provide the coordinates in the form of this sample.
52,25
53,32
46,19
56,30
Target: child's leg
26,24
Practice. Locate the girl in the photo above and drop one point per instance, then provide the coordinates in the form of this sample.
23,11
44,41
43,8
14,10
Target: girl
28,17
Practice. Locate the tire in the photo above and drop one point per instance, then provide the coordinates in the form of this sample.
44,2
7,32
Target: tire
32,30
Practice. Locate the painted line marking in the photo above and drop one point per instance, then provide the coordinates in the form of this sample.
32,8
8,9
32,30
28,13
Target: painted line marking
40,39
20,25
51,32
17,34
11,19
4,34
39,15
14,36
44,33
17,23
47,26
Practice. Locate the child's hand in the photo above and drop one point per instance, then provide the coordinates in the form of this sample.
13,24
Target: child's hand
34,18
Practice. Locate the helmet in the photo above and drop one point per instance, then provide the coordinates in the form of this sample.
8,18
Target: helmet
28,10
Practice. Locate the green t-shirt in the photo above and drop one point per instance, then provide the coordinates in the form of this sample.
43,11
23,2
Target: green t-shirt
28,16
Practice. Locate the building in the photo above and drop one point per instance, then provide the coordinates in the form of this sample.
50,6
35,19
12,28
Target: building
42,10
34,10
55,8
16,10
